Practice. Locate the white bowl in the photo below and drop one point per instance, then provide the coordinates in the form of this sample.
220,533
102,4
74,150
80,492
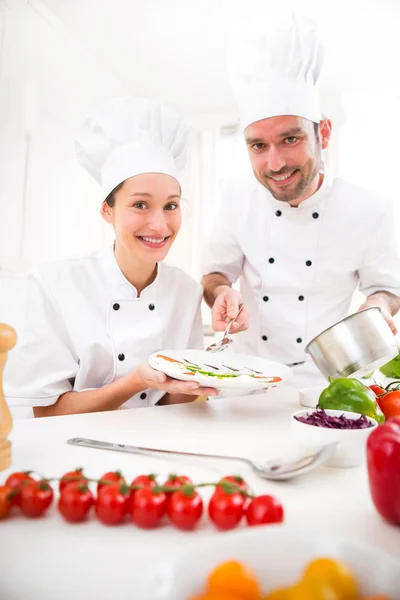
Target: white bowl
310,396
351,442
276,553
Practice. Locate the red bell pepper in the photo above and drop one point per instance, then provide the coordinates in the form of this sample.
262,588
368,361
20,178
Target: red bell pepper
383,461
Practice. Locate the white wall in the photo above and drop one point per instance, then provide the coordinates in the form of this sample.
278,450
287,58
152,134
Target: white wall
49,205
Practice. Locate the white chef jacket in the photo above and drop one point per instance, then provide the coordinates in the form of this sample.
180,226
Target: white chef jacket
299,267
85,327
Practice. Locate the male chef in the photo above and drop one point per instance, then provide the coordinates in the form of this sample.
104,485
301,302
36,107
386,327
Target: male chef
299,240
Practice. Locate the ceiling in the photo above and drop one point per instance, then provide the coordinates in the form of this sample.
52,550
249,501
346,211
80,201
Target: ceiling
174,49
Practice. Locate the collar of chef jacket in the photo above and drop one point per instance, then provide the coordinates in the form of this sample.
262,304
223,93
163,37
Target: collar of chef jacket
120,287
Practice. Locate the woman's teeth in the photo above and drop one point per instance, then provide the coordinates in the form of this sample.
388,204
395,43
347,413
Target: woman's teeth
153,240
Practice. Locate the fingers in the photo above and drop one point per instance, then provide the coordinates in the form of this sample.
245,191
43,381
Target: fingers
156,380
385,313
242,322
233,302
192,388
207,391
226,307
219,313
392,325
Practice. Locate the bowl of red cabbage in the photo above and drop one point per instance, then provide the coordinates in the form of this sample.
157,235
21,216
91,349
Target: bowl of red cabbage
315,428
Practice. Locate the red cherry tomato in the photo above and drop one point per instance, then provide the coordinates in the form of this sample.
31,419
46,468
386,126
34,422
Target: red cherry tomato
185,509
145,481
35,498
377,389
147,507
15,482
5,501
226,509
236,479
264,509
390,404
75,476
177,481
112,503
75,501
112,477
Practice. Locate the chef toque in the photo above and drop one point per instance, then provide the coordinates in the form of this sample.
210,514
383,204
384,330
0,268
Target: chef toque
131,136
274,71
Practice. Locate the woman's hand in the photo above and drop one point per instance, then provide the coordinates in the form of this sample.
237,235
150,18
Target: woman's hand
151,378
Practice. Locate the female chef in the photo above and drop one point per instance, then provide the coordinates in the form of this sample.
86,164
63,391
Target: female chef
91,323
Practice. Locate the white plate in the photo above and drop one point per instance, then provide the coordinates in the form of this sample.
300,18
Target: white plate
277,555
246,380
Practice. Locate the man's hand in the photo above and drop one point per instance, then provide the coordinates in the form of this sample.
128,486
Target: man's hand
374,302
151,378
226,307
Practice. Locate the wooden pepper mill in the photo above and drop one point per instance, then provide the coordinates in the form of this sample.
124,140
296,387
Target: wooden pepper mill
8,339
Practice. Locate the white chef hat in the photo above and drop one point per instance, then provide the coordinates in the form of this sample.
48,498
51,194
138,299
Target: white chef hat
274,70
131,136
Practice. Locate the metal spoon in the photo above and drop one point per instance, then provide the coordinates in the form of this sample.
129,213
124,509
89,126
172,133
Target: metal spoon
285,468
225,342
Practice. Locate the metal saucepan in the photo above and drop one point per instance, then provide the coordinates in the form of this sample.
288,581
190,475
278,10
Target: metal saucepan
355,346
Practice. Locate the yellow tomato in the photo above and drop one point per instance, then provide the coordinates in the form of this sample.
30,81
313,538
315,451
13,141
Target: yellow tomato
313,590
236,579
336,574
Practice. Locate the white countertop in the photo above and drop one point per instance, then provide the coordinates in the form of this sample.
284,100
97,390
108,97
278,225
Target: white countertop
48,558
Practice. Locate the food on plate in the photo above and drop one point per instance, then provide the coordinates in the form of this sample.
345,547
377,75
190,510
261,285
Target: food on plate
351,395
383,462
320,418
209,370
323,578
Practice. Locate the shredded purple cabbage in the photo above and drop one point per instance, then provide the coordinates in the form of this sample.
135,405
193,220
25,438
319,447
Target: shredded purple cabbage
320,418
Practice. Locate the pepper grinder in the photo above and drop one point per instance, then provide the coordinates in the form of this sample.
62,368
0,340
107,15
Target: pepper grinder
8,339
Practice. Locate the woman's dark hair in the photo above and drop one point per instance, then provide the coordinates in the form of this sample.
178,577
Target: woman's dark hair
110,198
